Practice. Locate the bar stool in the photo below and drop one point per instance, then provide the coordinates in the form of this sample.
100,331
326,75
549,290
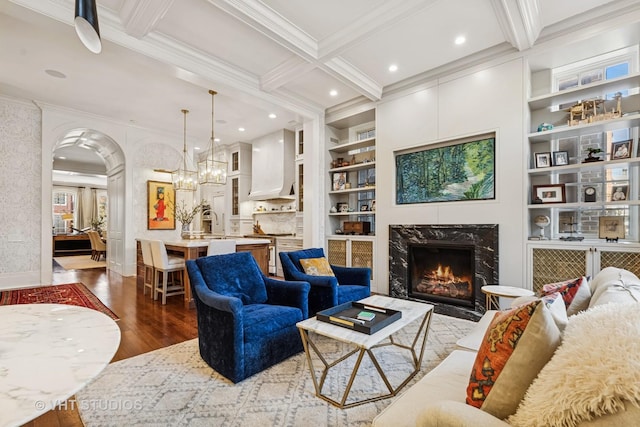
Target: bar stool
149,269
221,247
165,265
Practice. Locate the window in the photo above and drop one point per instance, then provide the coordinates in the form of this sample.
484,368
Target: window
63,211
609,66
60,199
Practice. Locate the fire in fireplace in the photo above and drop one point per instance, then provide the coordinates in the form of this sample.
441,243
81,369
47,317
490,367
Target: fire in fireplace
442,272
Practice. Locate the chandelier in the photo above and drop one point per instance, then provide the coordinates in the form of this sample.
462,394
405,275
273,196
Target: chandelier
210,170
185,178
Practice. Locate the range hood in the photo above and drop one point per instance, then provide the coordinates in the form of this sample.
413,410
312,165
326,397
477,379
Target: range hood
273,166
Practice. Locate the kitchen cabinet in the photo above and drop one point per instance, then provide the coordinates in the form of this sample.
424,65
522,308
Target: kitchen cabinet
556,261
584,191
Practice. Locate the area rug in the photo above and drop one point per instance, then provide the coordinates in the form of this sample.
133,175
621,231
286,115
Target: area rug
71,294
78,262
174,387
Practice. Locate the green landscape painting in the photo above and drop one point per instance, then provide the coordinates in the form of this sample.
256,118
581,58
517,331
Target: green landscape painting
456,172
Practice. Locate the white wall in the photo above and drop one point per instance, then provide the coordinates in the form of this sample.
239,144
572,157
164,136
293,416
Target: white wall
20,174
489,100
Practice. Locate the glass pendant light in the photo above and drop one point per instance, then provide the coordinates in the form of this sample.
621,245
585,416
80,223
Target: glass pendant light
185,178
210,170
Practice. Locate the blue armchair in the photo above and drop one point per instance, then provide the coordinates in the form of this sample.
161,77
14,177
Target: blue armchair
348,284
246,321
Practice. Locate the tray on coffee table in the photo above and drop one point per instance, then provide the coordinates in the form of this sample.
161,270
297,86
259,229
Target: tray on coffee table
346,316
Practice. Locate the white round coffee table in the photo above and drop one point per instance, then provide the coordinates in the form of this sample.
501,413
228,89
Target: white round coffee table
494,292
49,352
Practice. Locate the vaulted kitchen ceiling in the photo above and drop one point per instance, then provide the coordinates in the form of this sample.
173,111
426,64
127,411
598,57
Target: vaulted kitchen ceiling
279,57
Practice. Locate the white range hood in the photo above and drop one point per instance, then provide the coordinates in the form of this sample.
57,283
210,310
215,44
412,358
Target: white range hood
273,166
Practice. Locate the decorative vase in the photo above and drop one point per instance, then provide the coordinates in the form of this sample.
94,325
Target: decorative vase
185,234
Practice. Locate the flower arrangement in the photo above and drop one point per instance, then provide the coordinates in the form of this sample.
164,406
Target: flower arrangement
97,223
186,215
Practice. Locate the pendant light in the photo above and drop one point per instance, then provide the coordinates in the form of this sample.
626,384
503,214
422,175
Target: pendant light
185,178
86,23
210,170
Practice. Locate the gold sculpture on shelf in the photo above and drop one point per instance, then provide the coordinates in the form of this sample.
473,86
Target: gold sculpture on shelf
593,110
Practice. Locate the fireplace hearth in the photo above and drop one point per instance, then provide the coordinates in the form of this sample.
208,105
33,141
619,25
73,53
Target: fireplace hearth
444,265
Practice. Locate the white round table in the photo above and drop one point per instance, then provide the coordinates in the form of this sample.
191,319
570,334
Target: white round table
48,353
494,292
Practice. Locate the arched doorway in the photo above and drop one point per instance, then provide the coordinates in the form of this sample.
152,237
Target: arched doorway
109,151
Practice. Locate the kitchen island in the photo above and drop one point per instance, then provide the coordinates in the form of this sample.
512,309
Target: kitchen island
195,248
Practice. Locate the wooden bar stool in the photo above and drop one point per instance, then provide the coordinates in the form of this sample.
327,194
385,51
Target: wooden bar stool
165,265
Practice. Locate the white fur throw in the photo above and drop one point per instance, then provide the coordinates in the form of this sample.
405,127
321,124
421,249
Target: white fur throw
594,370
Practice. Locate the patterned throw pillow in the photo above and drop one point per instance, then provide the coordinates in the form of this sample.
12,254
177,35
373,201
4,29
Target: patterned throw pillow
575,293
517,344
316,266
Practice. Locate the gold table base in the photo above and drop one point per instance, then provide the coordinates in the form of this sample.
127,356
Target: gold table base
318,383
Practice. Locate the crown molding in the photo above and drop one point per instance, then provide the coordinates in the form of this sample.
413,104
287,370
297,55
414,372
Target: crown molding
289,70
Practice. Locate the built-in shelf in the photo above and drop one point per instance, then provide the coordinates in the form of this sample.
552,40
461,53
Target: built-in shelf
356,145
351,168
585,92
352,213
353,190
585,206
630,120
581,167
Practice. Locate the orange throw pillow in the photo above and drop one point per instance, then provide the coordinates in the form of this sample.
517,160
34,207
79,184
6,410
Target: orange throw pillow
517,344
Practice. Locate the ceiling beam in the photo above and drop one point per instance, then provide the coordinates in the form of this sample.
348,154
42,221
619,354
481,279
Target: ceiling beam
140,17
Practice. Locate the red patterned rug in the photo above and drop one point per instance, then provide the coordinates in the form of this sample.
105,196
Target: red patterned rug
72,294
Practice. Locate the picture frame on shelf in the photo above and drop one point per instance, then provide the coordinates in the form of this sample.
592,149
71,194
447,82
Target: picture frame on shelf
550,193
611,227
621,149
339,181
543,160
342,207
364,208
560,158
619,192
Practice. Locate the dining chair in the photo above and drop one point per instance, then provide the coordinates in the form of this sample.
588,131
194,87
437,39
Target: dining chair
165,266
149,277
98,247
221,247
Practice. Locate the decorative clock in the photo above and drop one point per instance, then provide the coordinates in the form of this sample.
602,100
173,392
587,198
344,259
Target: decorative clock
589,194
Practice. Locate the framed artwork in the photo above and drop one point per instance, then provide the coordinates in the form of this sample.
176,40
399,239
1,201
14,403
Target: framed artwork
560,158
342,207
619,193
611,227
339,181
364,208
552,193
543,160
454,172
161,205
621,149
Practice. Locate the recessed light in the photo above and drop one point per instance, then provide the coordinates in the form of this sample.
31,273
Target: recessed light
393,68
241,129
272,116
460,40
196,148
216,139
62,157
333,92
56,74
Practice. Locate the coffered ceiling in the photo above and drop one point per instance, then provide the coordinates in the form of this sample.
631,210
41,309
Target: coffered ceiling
270,56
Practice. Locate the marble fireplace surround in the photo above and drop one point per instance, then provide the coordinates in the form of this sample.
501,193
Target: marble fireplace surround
484,238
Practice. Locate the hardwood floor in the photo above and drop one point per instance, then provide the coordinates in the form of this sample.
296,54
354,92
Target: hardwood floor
145,324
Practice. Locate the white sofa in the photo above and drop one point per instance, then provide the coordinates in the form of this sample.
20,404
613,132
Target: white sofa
438,399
